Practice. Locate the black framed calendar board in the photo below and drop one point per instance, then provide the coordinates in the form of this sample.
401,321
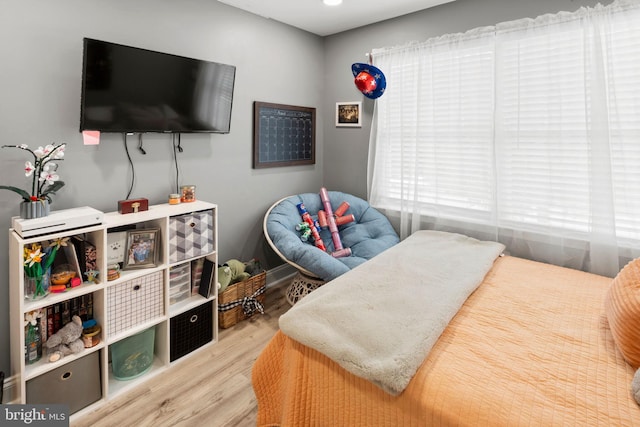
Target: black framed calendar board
283,135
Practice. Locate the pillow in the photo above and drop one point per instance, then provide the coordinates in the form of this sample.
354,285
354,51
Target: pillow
622,307
635,386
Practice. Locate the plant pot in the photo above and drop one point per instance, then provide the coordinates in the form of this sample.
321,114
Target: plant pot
37,287
37,209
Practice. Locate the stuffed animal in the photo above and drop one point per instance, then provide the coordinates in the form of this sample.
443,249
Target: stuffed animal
224,277
234,271
237,271
68,340
231,272
253,267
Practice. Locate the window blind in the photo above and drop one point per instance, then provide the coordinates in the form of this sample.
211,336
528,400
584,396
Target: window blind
436,151
532,127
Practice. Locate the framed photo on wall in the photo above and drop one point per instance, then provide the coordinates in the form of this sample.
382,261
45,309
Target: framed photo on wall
141,249
349,114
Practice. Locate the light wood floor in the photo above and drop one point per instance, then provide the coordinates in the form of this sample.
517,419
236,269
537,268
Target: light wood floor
210,388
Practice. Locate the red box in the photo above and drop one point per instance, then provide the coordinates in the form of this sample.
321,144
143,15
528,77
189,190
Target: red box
133,205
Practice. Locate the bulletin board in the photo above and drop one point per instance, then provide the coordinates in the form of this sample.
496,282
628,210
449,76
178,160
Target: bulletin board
283,135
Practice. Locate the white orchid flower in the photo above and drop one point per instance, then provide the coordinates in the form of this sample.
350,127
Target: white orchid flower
50,167
28,168
39,152
49,176
49,148
59,153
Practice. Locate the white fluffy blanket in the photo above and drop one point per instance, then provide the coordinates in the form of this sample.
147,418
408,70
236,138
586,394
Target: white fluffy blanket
380,320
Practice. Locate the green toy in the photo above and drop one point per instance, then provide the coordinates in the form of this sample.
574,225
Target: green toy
224,277
234,271
237,271
231,272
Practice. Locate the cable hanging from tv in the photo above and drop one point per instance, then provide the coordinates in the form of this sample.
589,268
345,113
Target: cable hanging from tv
133,170
177,147
140,144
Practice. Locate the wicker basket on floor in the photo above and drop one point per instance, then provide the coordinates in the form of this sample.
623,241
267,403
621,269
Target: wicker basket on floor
241,300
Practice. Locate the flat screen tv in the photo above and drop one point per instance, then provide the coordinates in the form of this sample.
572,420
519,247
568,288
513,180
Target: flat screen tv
128,89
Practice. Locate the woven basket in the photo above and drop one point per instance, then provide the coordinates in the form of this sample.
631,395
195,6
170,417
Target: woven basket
230,302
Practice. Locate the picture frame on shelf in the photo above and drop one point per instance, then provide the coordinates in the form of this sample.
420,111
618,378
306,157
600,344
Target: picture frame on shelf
349,114
116,247
141,249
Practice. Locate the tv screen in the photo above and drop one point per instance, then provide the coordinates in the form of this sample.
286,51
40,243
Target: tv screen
128,89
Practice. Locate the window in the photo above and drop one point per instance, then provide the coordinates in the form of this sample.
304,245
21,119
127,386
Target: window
532,125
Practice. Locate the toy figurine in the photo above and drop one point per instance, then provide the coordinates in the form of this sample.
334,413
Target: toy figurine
91,275
305,229
317,240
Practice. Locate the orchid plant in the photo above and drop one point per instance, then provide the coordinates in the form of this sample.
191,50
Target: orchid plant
45,180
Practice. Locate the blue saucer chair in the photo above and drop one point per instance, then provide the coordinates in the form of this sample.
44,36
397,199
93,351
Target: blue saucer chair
369,234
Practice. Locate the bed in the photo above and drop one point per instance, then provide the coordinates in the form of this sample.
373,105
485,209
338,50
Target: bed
531,344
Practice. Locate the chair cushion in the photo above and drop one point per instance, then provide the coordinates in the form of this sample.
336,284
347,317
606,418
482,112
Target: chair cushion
367,236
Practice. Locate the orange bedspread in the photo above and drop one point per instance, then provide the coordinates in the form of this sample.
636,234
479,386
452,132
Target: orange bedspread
530,347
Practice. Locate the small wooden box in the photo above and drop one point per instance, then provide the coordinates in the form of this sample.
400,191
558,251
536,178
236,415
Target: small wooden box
133,205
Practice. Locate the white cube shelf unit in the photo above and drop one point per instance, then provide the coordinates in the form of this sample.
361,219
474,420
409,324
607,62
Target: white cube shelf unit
141,298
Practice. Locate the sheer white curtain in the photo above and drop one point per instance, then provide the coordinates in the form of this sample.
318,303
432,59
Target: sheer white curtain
527,133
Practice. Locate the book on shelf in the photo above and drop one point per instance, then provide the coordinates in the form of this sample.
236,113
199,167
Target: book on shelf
43,326
206,278
49,316
66,312
82,307
196,274
90,306
75,306
57,318
86,255
59,314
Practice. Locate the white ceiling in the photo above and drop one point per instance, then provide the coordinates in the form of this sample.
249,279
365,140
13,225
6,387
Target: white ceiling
314,17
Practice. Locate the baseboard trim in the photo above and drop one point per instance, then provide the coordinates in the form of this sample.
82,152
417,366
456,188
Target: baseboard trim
279,274
9,390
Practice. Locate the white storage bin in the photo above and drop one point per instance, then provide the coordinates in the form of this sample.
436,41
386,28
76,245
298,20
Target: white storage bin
135,302
190,236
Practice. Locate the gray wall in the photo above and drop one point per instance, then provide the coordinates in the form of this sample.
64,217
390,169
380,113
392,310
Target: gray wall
346,149
41,57
41,53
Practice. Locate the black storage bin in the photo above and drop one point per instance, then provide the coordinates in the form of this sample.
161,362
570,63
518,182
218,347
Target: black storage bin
77,384
190,330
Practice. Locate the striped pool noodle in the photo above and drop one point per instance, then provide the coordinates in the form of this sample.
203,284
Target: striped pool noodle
333,228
